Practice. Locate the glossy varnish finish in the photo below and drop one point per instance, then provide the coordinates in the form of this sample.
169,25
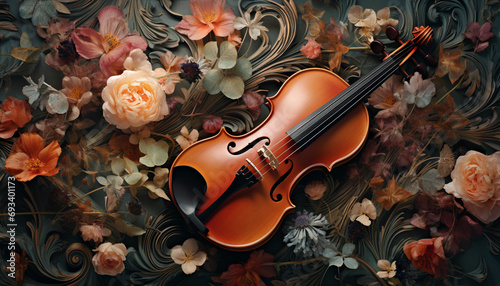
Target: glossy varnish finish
250,217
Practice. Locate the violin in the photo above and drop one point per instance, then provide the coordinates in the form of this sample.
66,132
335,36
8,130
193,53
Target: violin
235,190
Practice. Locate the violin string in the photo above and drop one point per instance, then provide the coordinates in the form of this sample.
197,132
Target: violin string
329,104
389,71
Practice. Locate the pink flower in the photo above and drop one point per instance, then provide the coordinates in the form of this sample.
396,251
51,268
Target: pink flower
109,258
311,49
212,124
476,180
315,190
94,232
208,15
254,101
112,43
387,98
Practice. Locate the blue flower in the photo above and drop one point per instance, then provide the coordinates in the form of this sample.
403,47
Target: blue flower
307,234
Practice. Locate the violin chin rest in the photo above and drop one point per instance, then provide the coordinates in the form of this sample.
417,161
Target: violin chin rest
189,188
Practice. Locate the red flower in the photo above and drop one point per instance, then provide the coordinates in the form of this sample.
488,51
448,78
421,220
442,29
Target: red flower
212,124
14,114
259,264
428,255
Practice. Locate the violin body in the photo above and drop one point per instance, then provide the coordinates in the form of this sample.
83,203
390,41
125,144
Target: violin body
249,217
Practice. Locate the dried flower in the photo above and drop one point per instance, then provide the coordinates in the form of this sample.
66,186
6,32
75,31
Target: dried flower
109,258
208,15
254,101
315,190
112,43
311,49
191,71
384,20
451,62
134,207
187,138
212,123
29,158
259,264
188,256
14,114
365,20
363,212
387,97
388,269
72,217
94,232
419,91
479,35
307,234
428,255
389,196
255,28
476,180
77,91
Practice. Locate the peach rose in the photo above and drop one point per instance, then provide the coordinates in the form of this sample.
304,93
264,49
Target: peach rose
476,180
109,258
94,232
133,99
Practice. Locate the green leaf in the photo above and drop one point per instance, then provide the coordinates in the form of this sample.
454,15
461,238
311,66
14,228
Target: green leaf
228,55
117,166
133,178
25,41
27,55
212,81
431,181
60,7
160,155
348,249
210,50
232,86
243,68
351,263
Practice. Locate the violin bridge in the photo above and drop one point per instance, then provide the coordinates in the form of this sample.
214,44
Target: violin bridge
261,177
266,153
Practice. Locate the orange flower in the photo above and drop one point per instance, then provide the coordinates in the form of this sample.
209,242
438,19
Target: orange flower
259,264
29,158
207,15
391,195
428,255
14,114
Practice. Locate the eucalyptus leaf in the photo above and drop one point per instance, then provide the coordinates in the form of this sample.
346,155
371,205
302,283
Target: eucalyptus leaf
133,178
117,166
228,55
60,7
431,181
243,68
25,41
232,86
351,263
128,229
212,81
57,103
210,51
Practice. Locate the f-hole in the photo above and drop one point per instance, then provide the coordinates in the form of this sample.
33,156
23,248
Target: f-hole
249,146
279,197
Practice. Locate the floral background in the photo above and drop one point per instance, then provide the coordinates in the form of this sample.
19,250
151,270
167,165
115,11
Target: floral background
99,97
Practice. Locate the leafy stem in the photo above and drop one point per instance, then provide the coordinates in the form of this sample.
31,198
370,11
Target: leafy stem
380,280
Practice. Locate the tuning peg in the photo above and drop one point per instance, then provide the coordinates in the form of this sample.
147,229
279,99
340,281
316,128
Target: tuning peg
421,69
393,34
430,60
377,47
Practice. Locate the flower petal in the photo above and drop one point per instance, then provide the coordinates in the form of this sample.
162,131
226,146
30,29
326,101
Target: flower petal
224,25
190,247
88,43
178,255
188,268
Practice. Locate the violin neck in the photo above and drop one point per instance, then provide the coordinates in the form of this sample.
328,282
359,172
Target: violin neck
314,125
